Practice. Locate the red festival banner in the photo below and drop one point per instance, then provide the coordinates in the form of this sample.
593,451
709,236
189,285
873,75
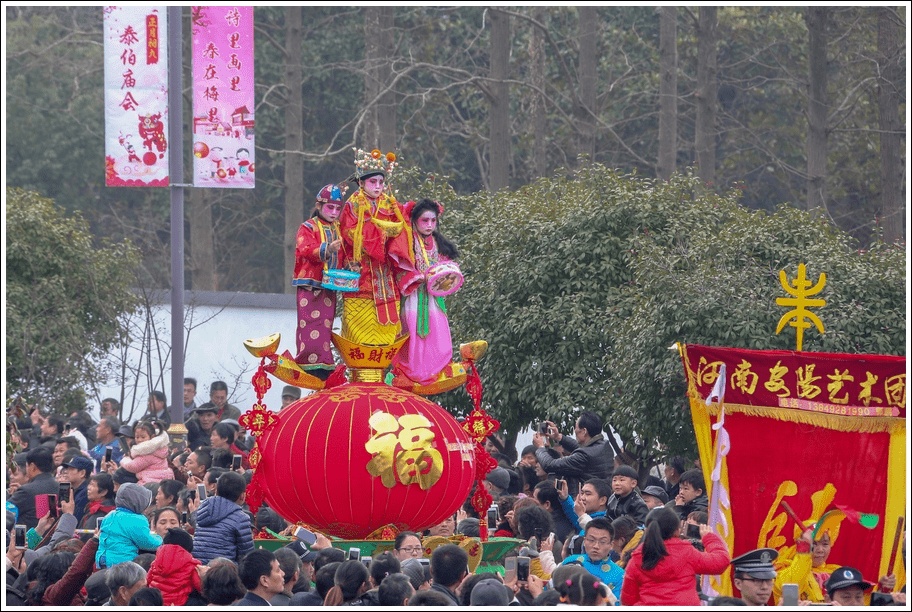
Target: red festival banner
223,101
136,96
813,430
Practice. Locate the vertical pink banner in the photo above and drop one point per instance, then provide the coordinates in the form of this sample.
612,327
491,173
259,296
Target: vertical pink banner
136,96
223,105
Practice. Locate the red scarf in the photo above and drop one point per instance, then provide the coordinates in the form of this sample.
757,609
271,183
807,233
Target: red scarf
95,506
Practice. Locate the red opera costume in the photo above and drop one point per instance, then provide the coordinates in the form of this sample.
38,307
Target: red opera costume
316,305
376,237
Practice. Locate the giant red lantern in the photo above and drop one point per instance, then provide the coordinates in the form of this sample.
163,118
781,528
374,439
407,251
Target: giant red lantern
359,456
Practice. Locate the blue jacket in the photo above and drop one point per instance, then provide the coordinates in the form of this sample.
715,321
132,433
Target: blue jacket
123,533
222,530
607,571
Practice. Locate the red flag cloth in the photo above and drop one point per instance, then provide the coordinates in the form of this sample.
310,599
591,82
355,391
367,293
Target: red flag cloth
811,429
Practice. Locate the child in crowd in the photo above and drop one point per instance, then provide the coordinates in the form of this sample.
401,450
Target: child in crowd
125,531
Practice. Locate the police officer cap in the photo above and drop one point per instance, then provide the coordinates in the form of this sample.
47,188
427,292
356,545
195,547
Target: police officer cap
757,563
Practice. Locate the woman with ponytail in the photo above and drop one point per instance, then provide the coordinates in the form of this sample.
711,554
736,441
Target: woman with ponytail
662,571
350,583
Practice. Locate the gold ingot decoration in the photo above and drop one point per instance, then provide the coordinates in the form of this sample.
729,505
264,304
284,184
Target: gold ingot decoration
288,371
263,347
390,228
367,355
473,351
801,288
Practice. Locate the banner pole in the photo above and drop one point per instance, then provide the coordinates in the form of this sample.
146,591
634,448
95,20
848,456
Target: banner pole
176,171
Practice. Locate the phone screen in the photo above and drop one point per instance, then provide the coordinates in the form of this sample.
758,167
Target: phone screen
789,594
201,491
693,532
522,568
109,453
509,569
52,506
492,517
306,536
20,536
236,462
65,491
354,554
183,517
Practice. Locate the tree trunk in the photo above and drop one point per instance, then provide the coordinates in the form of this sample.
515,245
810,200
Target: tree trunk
889,56
371,132
538,112
817,107
202,241
668,91
294,141
386,106
588,61
705,136
500,101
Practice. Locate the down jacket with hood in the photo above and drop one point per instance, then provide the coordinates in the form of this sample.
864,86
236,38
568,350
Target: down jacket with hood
222,530
149,460
126,530
173,572
673,582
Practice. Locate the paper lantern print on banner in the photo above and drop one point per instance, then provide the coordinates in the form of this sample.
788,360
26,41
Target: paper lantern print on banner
354,458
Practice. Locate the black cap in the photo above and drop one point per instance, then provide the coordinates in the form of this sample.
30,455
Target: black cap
845,577
757,563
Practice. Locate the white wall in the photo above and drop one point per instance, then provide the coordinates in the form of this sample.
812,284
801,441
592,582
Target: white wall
214,350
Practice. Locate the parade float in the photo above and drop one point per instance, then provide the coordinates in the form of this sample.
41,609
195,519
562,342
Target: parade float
367,455
791,440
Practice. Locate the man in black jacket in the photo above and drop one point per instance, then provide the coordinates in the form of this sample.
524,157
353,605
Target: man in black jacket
589,456
39,467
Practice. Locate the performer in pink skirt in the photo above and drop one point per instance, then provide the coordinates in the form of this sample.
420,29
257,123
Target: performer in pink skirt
429,348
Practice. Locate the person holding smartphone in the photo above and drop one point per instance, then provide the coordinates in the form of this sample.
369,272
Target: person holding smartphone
39,467
588,453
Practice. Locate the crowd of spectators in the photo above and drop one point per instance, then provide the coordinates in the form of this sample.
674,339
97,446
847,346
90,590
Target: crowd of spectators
110,513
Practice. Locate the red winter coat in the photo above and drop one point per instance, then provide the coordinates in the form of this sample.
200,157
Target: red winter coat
673,581
173,572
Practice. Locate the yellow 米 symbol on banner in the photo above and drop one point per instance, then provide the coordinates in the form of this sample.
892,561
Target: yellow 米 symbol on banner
801,289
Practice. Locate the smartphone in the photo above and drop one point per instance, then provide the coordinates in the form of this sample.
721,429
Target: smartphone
354,554
52,506
789,594
183,518
42,504
543,429
124,448
64,492
522,568
20,537
109,453
236,462
560,483
509,569
98,521
693,532
492,517
366,561
201,491
306,536
424,561
191,495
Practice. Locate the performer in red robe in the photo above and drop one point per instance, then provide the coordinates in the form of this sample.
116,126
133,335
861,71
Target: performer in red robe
318,248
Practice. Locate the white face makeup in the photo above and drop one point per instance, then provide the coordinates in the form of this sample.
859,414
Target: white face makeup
426,223
373,186
331,211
